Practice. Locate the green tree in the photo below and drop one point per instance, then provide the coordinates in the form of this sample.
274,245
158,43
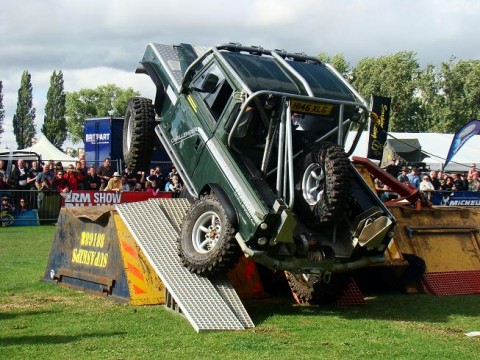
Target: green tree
338,61
24,118
54,123
105,100
2,110
394,76
460,87
430,99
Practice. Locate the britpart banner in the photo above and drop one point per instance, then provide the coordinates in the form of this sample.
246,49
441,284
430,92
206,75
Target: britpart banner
378,130
93,198
461,137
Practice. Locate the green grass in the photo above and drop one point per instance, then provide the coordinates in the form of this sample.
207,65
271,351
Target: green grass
39,320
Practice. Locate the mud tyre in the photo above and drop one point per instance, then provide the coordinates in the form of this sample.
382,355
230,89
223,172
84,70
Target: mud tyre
315,289
206,244
322,185
138,133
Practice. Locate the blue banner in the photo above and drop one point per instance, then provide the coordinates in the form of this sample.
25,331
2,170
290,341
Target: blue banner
461,137
456,198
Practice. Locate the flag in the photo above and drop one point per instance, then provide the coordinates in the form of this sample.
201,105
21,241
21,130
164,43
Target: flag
461,137
378,129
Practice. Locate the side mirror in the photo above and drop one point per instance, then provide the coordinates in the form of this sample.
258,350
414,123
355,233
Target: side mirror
210,83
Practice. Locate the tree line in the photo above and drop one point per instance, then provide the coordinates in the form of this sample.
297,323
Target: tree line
65,112
431,99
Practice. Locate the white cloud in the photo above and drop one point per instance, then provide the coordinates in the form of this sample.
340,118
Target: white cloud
101,41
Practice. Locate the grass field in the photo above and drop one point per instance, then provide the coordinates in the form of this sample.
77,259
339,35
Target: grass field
42,321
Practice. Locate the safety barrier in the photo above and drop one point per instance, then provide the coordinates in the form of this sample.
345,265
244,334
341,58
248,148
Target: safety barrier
44,206
28,207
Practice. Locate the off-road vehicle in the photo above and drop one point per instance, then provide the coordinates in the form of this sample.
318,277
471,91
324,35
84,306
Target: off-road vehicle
257,137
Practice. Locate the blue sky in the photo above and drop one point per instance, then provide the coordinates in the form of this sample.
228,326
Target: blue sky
95,42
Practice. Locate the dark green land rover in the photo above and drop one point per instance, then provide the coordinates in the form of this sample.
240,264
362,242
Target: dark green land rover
257,137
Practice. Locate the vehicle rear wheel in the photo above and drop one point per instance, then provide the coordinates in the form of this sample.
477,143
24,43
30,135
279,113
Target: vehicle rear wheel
322,184
206,245
317,289
138,133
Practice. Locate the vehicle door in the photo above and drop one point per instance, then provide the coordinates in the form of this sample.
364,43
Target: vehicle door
199,111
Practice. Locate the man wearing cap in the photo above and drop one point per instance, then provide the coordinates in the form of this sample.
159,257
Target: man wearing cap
403,175
115,183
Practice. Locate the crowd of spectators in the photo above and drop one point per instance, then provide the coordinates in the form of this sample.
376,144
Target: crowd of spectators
53,176
429,182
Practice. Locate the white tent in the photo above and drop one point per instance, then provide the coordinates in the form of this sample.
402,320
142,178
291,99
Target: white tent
435,145
48,151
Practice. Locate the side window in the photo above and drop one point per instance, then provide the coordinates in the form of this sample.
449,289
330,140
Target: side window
214,89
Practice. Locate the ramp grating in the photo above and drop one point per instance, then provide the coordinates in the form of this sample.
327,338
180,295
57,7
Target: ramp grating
154,225
452,282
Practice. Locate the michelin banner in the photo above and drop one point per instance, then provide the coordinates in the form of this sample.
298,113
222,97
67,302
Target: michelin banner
461,137
378,126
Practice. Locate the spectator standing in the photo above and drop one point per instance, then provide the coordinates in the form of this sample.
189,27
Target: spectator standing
464,181
448,185
20,176
392,168
403,175
74,178
44,180
115,183
60,182
92,180
472,169
105,172
81,169
434,180
125,186
413,178
3,170
160,177
150,188
173,171
131,177
175,185
32,175
427,187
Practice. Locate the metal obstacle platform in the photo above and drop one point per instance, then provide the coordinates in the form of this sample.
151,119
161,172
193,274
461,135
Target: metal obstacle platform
207,304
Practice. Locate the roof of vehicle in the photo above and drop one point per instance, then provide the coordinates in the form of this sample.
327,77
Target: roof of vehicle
264,73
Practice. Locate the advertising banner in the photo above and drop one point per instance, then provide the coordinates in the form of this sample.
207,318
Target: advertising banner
456,198
461,137
379,128
93,198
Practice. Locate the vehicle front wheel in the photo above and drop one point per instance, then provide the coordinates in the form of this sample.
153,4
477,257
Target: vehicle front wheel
206,245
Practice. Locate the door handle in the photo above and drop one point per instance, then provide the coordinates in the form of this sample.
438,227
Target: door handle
197,144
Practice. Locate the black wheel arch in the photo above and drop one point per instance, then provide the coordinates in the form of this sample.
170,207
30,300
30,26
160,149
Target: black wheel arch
160,86
224,200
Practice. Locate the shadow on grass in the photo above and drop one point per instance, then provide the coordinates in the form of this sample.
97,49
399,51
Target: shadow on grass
51,339
401,307
14,314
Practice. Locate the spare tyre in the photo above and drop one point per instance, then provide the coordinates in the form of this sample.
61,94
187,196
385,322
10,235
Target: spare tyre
322,184
138,133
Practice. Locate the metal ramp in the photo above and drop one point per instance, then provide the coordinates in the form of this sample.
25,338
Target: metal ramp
207,304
